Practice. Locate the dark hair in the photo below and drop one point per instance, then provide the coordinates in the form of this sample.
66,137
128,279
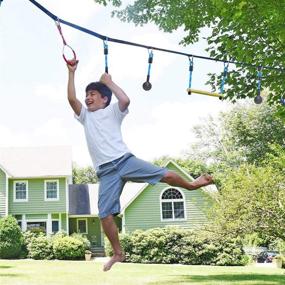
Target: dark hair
104,90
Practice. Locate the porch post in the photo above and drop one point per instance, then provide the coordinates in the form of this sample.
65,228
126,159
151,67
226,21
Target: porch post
24,223
49,224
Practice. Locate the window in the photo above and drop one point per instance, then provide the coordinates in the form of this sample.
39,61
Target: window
82,226
37,227
51,190
55,226
20,191
172,205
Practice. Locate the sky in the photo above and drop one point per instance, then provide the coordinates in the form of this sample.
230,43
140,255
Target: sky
34,110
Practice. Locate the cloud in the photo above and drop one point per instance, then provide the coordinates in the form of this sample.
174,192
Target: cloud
72,9
55,94
53,132
169,128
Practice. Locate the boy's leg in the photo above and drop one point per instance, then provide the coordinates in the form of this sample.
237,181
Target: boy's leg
110,188
138,170
174,179
111,232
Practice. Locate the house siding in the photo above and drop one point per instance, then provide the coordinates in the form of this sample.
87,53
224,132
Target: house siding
36,203
93,226
138,216
2,193
63,222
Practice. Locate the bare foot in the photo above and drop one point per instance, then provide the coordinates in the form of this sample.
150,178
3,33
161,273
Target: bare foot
115,258
202,180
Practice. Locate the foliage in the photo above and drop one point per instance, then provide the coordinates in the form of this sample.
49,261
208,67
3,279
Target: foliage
28,236
82,238
83,175
11,238
246,133
279,245
243,31
40,247
68,248
176,245
255,240
276,157
60,245
194,167
252,199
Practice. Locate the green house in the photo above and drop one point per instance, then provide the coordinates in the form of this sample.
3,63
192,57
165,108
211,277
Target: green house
36,188
143,206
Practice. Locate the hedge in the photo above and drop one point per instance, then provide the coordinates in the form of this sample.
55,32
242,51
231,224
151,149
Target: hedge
176,245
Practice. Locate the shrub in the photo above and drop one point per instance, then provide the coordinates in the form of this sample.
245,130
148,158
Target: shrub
59,234
176,245
82,238
27,238
126,242
11,238
68,248
40,247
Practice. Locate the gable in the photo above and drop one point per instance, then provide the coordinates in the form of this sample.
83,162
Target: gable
4,170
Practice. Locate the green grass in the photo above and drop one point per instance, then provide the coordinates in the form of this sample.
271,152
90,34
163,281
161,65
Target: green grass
32,272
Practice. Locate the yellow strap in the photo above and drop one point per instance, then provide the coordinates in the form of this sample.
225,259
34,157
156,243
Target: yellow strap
201,92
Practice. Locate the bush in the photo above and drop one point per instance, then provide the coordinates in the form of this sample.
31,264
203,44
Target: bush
68,248
40,247
27,238
11,238
83,239
59,234
175,245
60,246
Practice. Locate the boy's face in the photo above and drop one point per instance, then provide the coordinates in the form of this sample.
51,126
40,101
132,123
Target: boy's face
95,101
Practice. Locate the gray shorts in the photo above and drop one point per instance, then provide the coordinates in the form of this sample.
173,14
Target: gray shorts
113,176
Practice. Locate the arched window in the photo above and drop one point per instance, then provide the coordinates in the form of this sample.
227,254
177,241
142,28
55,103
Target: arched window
172,205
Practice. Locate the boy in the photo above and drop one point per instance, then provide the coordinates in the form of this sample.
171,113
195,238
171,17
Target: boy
113,162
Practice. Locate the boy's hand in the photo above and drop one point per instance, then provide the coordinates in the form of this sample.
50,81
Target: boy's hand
106,79
73,65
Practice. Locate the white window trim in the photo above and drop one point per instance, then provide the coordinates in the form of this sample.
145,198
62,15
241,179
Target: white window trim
14,190
172,200
77,225
57,190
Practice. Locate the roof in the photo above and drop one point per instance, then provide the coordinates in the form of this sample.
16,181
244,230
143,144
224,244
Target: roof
83,198
32,162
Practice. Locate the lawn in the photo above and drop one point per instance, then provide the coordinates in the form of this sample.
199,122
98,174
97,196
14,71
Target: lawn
32,272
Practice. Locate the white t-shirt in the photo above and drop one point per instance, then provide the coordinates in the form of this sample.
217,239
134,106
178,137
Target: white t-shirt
103,133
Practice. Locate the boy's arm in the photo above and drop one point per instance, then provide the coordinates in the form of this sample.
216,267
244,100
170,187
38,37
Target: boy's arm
124,100
71,93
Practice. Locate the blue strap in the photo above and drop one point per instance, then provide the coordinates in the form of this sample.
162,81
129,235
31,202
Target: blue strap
106,54
259,76
150,60
225,76
191,63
